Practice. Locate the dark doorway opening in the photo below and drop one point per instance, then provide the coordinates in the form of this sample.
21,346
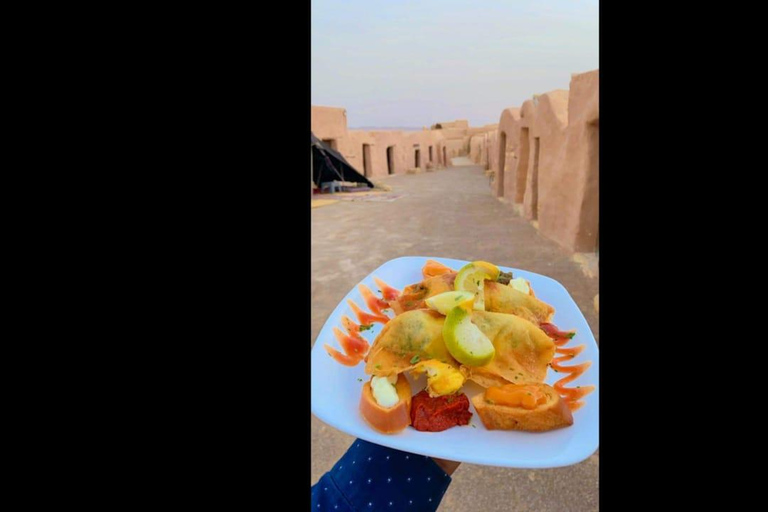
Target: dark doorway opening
535,180
391,159
502,162
367,160
417,158
445,158
431,158
588,239
522,165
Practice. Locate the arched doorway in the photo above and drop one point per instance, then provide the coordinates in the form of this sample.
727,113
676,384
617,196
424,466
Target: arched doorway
522,165
502,162
587,238
535,179
431,158
367,160
417,158
391,159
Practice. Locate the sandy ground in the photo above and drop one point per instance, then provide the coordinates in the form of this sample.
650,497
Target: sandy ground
450,213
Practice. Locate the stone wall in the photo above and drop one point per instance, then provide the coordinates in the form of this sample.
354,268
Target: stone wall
545,159
544,156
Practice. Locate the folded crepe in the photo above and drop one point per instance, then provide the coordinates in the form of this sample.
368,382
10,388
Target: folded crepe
405,340
523,350
499,298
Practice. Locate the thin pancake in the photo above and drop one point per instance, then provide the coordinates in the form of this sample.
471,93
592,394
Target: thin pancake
523,351
414,333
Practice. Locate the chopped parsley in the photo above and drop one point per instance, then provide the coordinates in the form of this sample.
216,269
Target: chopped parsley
365,327
571,335
378,366
473,425
359,379
415,359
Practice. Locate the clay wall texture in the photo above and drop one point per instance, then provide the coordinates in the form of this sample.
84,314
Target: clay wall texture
551,161
544,156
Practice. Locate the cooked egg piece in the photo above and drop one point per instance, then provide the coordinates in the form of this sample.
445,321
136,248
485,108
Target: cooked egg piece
384,391
520,284
442,378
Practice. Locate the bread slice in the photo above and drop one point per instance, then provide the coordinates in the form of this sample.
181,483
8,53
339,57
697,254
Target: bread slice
392,419
552,414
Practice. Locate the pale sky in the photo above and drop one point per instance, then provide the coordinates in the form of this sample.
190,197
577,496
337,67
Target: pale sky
417,62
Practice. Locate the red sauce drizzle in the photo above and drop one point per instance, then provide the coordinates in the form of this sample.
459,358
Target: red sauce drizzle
374,303
352,344
572,396
340,358
367,318
387,291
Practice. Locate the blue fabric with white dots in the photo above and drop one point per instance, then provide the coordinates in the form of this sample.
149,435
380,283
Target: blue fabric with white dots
371,478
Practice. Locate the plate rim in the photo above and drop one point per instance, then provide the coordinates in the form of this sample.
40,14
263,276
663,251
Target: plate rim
374,437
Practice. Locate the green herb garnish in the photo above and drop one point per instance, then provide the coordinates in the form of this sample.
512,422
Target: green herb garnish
365,327
359,379
378,366
415,359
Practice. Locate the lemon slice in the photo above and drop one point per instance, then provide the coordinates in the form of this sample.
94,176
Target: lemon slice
492,270
444,302
470,279
465,341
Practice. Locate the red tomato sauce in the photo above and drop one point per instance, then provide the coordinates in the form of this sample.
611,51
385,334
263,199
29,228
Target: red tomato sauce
439,413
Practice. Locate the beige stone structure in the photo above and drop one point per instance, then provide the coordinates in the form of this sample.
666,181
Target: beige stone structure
544,156
545,159
382,152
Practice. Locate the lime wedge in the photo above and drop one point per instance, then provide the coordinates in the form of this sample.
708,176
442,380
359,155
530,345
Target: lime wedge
465,341
470,279
444,302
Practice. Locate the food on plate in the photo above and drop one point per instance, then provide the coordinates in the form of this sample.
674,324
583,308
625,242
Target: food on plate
413,296
519,350
533,407
471,278
385,403
522,350
442,378
446,301
506,298
514,296
435,414
465,341
478,324
434,268
407,339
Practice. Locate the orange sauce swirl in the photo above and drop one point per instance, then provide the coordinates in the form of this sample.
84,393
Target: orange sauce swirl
374,303
387,291
572,396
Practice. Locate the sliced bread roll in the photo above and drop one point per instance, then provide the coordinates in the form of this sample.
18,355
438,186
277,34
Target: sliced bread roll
387,420
531,407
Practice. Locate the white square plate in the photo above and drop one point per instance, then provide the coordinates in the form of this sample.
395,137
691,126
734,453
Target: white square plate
336,388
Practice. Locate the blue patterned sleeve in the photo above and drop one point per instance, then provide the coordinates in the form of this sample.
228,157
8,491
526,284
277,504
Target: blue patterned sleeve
372,478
